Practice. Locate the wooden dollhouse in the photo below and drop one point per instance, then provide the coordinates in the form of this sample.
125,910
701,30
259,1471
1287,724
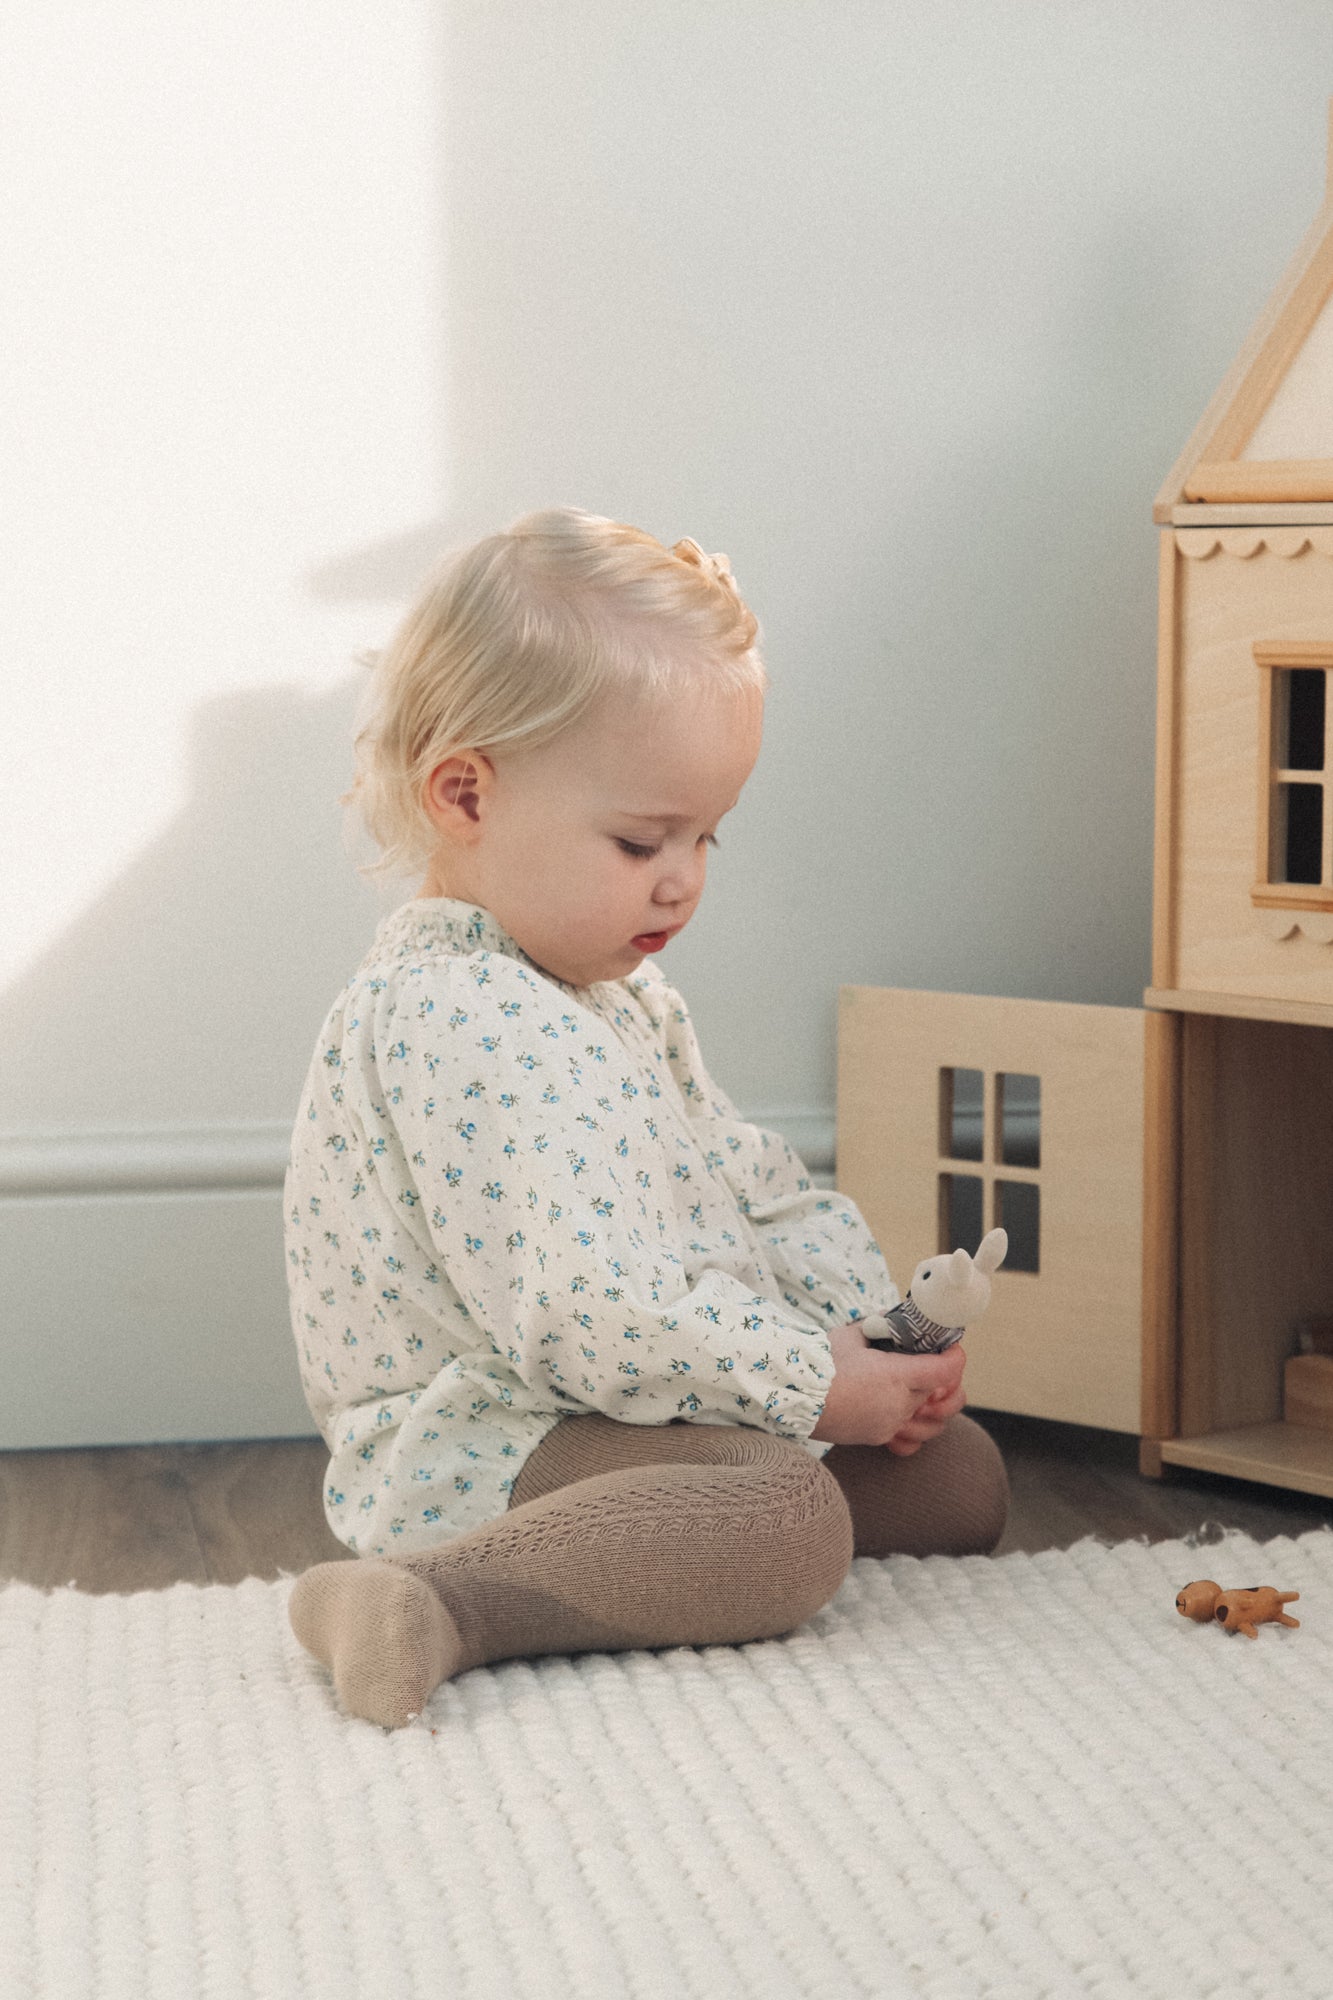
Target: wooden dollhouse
1166,1173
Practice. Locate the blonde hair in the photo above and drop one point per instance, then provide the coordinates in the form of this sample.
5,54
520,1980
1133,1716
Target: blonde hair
514,638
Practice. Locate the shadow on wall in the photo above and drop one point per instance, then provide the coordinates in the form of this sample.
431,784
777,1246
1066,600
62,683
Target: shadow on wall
199,979
389,570
1006,679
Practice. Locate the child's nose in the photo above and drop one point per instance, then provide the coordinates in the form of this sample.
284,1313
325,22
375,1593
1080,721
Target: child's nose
683,881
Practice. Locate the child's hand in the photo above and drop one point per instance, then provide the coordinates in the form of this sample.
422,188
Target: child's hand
898,1400
931,1418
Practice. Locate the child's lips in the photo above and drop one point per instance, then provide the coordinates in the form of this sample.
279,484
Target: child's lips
652,940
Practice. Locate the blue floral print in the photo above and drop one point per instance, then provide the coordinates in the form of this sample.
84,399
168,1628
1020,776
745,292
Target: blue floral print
511,1200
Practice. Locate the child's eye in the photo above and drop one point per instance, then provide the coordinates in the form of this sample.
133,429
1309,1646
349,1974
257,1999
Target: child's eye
647,853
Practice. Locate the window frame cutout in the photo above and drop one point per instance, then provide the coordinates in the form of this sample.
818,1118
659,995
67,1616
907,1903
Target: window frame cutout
990,1168
1274,658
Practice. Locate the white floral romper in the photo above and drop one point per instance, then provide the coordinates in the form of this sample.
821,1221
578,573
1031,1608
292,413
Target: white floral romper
512,1200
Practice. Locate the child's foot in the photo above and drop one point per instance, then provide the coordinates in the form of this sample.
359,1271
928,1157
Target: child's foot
383,1631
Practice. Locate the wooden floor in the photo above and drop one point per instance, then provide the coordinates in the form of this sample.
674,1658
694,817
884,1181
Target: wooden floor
142,1517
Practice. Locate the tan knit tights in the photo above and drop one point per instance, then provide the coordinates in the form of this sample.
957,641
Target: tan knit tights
624,1535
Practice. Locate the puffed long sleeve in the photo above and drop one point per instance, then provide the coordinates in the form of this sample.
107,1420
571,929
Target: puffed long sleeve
816,1241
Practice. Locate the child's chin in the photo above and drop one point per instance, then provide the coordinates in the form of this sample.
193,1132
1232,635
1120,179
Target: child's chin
628,960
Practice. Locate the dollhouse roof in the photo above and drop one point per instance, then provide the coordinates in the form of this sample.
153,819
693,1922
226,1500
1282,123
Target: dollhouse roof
1266,437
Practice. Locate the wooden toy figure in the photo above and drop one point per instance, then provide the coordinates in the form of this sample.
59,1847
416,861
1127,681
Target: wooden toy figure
1236,1610
946,1295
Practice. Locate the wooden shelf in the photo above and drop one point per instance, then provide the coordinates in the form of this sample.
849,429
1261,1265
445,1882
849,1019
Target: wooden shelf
1271,1454
1238,1006
1251,514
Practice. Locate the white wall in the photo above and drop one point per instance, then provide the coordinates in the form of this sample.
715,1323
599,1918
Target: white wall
908,309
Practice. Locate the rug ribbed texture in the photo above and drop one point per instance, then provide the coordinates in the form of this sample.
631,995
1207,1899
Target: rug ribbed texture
1025,1776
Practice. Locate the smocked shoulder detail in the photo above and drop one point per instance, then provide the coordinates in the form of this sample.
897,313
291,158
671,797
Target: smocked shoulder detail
438,927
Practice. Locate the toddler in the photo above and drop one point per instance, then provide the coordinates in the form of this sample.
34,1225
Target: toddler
581,1341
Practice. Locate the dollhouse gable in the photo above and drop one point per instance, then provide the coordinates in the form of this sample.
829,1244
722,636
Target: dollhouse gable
1266,437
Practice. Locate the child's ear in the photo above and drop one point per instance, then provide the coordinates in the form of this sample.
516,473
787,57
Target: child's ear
456,792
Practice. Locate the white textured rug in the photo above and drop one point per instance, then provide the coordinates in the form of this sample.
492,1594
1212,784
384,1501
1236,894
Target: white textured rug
1025,1776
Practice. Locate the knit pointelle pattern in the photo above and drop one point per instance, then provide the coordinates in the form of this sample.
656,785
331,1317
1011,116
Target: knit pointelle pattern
772,1502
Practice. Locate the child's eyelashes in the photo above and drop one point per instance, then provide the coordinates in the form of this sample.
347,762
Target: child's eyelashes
645,855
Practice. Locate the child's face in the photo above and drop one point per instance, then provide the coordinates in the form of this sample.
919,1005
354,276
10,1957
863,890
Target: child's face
591,849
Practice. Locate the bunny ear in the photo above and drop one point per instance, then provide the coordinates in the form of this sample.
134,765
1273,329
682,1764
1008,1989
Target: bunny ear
960,1267
993,1250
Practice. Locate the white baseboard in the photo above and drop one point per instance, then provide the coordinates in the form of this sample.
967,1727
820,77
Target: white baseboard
149,1160
164,1158
142,1290
146,1319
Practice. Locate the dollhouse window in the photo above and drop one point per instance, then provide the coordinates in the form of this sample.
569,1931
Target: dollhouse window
1020,1119
1018,1213
993,1121
1296,757
964,1208
966,1113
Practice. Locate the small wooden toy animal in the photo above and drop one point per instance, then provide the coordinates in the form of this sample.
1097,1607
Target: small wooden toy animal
1236,1610
946,1294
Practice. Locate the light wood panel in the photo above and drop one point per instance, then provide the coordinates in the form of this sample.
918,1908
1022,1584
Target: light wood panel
1307,1391
1252,514
1167,778
1227,605
1262,479
1277,1454
1239,1006
1065,1343
1256,1248
1160,1399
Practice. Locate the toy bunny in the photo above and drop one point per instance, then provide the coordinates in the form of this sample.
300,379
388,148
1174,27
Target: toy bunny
1236,1610
946,1295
